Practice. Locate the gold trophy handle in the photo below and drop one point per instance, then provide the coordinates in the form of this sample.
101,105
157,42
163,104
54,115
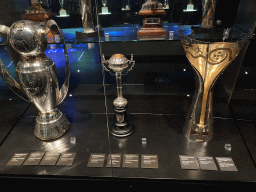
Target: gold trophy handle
64,89
6,76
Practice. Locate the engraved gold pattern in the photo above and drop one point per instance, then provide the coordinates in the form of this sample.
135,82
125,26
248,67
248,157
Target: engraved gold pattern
209,59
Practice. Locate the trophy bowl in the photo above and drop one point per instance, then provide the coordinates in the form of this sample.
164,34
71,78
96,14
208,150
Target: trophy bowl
28,38
210,53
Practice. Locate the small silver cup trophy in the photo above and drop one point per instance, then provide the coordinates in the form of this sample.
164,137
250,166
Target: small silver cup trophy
118,65
37,75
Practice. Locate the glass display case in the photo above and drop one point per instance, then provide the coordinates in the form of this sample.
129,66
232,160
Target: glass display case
128,91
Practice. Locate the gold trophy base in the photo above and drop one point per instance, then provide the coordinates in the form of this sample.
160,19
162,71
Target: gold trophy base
51,126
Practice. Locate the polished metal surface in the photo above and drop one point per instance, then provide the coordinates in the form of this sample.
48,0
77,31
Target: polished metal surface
208,12
209,60
152,4
87,16
37,76
118,64
35,7
28,38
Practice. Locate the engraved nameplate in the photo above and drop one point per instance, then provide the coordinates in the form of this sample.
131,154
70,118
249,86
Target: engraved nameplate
207,163
131,160
149,161
114,160
34,158
50,158
226,164
96,160
66,159
17,159
188,162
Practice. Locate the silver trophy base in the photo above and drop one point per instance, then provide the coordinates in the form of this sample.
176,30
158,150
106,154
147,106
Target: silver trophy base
52,126
89,35
121,130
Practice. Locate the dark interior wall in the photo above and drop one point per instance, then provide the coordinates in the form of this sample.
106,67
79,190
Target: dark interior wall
246,14
12,10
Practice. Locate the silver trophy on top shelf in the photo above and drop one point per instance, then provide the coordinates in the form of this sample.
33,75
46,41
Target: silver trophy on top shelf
104,9
37,75
63,12
118,65
87,20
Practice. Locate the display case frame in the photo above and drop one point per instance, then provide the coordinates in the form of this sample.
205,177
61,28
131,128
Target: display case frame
157,110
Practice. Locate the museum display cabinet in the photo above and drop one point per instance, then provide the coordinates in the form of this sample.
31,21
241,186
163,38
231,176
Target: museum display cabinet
156,92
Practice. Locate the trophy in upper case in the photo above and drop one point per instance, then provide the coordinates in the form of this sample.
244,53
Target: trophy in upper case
209,57
87,20
104,9
62,12
36,12
118,65
152,10
37,75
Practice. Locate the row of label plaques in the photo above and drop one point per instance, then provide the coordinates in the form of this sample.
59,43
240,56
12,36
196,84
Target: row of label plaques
114,160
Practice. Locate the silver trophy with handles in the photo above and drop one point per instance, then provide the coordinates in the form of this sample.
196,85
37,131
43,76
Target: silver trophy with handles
37,75
119,65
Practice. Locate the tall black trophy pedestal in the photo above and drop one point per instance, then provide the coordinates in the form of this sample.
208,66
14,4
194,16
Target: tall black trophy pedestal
121,127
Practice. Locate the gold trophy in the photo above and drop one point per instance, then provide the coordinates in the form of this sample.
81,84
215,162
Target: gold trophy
209,58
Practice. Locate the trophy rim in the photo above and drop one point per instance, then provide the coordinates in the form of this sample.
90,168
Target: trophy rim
246,35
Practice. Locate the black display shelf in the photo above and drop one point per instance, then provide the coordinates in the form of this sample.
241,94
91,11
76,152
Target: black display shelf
12,108
162,131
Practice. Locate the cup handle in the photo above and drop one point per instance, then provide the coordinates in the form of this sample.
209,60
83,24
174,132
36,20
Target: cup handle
6,76
64,89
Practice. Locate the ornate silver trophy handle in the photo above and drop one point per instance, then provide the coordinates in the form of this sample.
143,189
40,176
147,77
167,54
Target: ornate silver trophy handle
64,89
6,76
131,63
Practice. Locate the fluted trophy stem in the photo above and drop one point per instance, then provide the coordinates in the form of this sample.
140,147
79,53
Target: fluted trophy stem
119,85
203,109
